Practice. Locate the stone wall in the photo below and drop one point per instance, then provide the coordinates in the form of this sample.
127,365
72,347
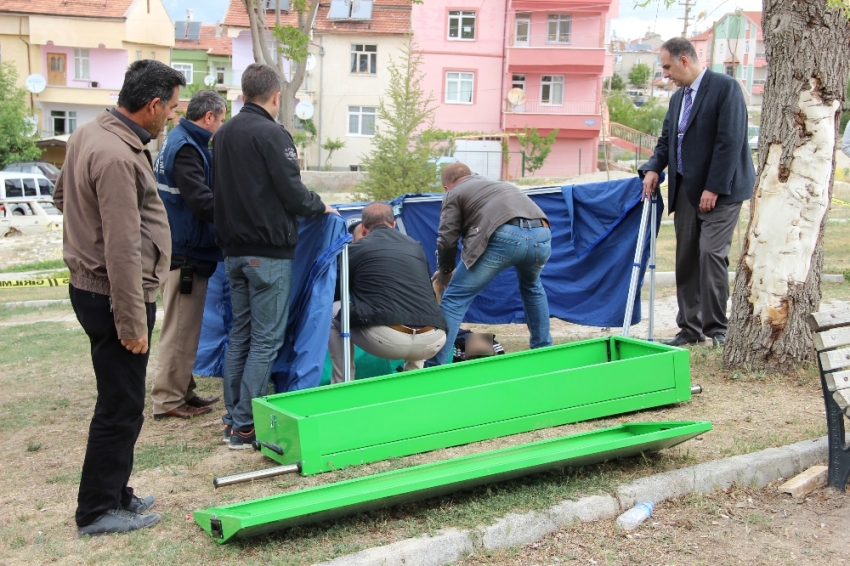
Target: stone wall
331,181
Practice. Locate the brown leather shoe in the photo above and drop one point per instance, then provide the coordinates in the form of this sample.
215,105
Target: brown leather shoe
184,411
198,401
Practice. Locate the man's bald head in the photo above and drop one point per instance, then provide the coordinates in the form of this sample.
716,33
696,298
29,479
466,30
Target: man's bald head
377,213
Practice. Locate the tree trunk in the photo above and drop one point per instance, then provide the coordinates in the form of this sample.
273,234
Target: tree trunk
778,276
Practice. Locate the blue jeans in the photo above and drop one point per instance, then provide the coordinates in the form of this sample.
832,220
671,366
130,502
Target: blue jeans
259,293
524,249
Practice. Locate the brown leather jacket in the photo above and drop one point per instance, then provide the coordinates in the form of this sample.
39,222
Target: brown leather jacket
116,236
474,208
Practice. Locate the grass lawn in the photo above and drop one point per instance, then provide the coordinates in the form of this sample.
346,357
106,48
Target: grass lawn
47,392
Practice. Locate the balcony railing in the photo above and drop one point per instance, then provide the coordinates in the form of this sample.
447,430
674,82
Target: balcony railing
577,41
579,107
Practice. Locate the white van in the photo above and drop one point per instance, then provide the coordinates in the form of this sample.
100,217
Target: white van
16,186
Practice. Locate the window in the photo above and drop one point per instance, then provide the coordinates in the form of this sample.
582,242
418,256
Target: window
522,30
186,69
459,87
63,122
219,75
518,81
730,70
81,64
747,47
361,120
364,59
138,55
45,188
559,28
552,89
30,188
461,24
14,188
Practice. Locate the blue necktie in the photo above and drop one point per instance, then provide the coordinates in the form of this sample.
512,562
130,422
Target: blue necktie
686,113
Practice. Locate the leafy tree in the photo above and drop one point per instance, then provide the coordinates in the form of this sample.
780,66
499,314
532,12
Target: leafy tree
639,75
401,159
331,146
288,42
616,82
537,148
16,141
647,119
305,136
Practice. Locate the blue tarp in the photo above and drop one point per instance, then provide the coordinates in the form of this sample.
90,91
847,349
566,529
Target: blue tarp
594,234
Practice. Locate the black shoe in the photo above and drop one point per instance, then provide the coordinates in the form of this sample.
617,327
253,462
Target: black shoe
718,340
241,440
118,521
679,341
141,504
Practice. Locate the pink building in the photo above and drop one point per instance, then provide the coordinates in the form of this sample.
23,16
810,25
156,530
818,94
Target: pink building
478,55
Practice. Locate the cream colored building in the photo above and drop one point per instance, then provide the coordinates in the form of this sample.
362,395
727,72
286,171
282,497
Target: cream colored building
352,51
81,50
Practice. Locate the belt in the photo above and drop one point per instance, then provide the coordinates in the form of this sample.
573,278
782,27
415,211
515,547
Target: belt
408,330
535,223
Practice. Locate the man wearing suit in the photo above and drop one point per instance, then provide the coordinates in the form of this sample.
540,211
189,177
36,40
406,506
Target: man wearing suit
704,143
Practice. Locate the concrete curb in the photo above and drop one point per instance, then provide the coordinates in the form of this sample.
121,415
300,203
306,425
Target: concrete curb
754,470
36,304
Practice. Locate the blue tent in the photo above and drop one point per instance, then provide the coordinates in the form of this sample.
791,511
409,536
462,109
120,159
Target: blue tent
594,234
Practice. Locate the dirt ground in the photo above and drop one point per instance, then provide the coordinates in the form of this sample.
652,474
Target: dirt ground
47,394
737,526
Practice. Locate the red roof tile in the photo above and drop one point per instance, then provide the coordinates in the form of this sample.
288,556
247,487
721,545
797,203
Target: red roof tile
208,42
388,17
85,8
704,35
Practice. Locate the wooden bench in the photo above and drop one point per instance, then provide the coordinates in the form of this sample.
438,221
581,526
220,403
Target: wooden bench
832,341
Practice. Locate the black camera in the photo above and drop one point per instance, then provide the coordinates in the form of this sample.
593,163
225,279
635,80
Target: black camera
187,274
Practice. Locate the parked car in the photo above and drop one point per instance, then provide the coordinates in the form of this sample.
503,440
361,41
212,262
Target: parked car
753,137
23,186
35,167
29,216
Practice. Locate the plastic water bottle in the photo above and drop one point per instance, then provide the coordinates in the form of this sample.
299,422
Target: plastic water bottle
630,520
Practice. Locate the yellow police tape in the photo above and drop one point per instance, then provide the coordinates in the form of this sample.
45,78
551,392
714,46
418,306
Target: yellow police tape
840,202
19,283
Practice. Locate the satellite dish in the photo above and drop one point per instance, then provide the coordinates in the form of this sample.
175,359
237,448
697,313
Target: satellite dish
35,83
516,96
310,63
209,80
304,110
33,125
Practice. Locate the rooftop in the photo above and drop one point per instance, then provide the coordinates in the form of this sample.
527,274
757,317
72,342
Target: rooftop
208,41
388,17
79,8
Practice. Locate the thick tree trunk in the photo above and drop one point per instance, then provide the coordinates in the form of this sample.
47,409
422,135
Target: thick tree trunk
778,277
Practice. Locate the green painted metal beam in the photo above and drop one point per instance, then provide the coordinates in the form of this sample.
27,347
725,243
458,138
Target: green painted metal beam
429,480
348,424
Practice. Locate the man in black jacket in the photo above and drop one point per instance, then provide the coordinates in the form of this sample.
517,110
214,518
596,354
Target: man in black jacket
258,196
394,313
703,144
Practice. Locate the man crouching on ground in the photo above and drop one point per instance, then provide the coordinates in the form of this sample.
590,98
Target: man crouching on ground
117,246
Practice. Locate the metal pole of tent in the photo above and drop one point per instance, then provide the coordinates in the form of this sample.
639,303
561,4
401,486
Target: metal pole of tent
345,332
653,236
630,300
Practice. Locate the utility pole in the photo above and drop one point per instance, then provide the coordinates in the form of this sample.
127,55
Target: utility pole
687,5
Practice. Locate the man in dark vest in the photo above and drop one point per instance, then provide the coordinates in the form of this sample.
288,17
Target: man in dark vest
184,175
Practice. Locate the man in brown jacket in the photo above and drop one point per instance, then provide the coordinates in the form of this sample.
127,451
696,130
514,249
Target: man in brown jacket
117,246
501,228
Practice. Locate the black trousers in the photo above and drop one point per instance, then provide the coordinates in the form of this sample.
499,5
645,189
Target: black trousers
118,413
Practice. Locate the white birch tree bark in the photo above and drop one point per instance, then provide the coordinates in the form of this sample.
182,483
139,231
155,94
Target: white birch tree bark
778,275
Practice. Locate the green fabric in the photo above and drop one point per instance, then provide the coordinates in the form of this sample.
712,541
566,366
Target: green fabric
366,364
